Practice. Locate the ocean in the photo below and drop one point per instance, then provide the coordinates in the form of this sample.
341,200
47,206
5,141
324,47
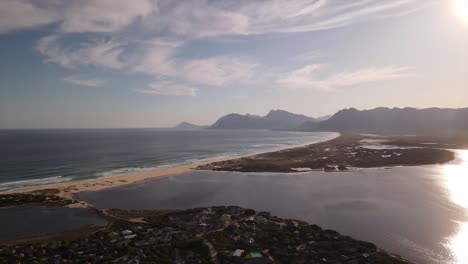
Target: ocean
36,157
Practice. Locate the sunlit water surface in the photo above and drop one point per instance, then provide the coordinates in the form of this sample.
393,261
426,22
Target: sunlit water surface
456,176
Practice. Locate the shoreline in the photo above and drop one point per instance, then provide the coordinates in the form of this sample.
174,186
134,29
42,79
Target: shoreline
292,159
68,189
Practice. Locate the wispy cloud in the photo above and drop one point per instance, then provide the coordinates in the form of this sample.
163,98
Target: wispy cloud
169,89
311,77
197,18
103,53
18,15
144,36
82,81
102,16
155,58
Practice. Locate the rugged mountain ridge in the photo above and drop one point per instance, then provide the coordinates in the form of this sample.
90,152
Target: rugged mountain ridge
443,121
433,121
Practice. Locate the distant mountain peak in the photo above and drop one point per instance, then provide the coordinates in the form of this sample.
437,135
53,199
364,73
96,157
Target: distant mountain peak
188,126
186,123
276,111
282,113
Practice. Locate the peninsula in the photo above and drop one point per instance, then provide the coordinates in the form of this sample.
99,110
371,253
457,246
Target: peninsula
342,154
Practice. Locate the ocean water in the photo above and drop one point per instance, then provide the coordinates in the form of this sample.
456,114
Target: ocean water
35,157
418,212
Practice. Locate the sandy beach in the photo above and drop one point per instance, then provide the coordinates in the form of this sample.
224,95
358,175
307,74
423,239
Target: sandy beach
68,189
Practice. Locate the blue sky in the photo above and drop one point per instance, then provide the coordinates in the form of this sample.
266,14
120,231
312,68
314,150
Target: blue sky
145,63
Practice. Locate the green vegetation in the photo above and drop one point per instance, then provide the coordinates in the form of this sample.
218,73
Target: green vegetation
43,196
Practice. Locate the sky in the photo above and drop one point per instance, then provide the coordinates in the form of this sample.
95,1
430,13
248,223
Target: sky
149,63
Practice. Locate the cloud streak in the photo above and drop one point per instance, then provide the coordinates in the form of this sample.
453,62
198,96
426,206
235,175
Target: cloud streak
168,88
84,81
311,77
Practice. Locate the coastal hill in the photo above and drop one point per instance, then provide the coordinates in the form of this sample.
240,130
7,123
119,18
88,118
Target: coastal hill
274,120
188,126
441,121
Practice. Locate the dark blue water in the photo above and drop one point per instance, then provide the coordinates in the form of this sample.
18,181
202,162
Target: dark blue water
32,157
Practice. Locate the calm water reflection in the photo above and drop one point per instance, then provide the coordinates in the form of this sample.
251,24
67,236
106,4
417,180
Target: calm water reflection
417,212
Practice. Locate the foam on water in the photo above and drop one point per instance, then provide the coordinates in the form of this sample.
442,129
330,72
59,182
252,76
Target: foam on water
33,182
256,149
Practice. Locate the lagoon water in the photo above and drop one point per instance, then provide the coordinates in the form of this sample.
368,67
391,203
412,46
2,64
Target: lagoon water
420,213
35,157
27,221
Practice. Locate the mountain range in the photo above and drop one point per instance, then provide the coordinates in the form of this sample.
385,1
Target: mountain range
441,121
394,120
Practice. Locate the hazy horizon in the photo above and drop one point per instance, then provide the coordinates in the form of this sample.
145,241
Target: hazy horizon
154,64
177,122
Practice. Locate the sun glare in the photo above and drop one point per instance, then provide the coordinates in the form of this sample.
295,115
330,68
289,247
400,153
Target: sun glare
457,180
458,243
457,183
462,9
